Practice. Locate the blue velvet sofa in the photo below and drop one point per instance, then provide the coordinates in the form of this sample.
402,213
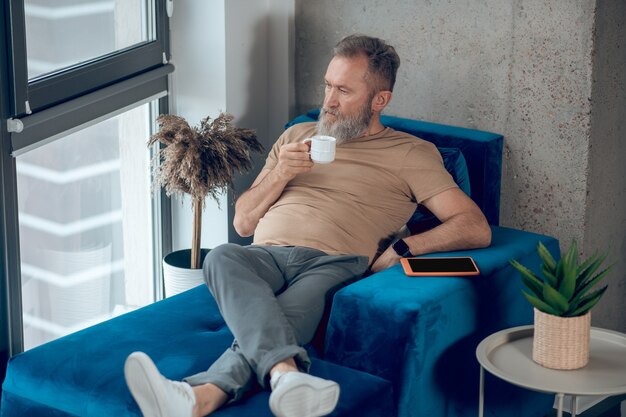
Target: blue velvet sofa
398,346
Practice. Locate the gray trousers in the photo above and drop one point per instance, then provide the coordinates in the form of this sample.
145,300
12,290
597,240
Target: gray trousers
272,300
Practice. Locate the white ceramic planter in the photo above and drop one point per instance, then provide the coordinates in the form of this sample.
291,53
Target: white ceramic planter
177,274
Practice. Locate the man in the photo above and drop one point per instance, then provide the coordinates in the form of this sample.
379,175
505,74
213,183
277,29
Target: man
315,228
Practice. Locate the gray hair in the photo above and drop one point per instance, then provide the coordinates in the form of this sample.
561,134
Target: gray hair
383,61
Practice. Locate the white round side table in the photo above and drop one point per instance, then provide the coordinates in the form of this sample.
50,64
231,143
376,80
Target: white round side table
507,355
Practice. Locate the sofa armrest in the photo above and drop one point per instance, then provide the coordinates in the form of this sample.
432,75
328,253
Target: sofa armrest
421,333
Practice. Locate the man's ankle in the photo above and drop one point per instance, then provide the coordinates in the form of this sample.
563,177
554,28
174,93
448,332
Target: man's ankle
288,365
209,397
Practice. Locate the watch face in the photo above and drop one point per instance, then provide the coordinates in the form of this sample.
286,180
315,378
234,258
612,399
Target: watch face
401,248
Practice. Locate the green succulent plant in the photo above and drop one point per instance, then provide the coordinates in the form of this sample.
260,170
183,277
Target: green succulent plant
564,288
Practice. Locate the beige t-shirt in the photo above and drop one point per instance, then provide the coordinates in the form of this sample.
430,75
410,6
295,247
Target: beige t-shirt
366,194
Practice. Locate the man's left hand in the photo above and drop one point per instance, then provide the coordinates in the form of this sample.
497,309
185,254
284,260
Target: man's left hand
388,259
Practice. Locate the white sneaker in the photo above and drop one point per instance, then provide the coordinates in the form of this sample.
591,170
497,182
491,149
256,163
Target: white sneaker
296,394
156,395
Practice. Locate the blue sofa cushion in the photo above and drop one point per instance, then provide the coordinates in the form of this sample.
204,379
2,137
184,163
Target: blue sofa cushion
482,151
82,374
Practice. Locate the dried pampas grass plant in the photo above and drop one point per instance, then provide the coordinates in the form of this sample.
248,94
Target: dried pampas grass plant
200,161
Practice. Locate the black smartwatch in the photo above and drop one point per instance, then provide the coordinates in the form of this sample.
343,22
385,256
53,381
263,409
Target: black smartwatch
402,249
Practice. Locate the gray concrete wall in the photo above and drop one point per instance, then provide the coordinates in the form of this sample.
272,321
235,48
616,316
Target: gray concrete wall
519,67
605,217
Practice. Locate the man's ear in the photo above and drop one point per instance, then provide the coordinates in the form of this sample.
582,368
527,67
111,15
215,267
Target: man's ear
380,100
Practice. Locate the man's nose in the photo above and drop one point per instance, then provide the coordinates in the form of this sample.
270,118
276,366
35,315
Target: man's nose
331,98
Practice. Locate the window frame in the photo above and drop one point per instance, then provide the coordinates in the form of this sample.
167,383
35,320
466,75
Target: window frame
46,91
64,101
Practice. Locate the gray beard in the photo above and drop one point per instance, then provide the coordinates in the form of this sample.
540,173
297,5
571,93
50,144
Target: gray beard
345,128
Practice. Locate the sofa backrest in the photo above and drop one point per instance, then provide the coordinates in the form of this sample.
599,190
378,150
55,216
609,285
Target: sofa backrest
482,151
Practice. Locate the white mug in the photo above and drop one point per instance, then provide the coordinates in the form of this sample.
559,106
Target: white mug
322,148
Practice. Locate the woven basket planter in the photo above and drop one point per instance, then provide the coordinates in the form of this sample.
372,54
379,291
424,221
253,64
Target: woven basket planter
561,342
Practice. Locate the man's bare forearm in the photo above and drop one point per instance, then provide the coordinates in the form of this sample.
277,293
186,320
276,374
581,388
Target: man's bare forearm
463,231
293,159
254,203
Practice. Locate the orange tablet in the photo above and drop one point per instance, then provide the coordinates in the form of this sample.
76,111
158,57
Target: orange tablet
437,267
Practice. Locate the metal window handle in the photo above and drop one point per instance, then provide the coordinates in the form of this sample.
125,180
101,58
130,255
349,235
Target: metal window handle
15,125
169,5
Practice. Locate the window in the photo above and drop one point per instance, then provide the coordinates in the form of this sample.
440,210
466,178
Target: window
85,227
81,83
82,31
67,48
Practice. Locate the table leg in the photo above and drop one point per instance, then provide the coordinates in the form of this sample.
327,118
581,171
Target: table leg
481,393
573,406
559,412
